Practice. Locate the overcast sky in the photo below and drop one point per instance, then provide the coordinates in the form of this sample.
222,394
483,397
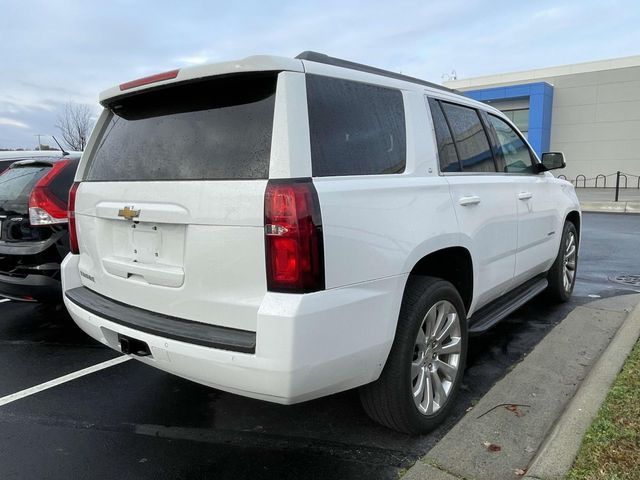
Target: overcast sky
53,52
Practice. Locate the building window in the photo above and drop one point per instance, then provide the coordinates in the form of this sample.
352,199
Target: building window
520,117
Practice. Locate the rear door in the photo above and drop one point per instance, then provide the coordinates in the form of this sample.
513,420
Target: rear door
170,209
484,201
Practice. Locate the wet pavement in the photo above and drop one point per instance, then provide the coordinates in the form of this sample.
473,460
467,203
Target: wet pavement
133,421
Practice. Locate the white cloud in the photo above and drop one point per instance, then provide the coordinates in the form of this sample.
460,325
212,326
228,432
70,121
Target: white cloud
425,38
552,13
193,60
10,122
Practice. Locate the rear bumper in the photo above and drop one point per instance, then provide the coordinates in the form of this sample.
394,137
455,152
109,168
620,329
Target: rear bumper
306,346
30,288
31,248
162,325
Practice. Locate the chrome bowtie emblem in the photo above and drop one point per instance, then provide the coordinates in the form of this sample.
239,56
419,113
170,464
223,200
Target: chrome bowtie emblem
128,213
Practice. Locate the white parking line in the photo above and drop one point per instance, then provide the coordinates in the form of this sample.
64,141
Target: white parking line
5,300
60,380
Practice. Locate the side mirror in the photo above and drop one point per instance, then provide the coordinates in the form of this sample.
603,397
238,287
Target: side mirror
553,161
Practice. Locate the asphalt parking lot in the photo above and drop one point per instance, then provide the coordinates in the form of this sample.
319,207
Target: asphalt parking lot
132,421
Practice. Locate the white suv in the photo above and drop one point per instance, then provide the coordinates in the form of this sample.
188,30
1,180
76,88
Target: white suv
286,229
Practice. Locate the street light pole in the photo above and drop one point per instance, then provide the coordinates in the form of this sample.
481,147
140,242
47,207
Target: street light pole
39,144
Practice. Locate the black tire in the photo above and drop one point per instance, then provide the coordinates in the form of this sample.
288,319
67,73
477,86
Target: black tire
390,400
558,291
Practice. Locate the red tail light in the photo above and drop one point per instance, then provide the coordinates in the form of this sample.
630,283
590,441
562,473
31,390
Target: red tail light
45,208
293,237
73,234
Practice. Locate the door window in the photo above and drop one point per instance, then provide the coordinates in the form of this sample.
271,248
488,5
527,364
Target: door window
470,138
446,150
516,154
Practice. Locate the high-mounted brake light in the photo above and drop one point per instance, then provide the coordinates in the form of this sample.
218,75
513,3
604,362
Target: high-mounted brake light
158,77
45,208
73,234
293,237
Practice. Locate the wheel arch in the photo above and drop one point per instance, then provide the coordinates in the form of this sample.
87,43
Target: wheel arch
574,217
453,264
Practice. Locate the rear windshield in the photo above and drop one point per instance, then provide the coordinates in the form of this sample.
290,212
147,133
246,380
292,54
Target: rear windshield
217,129
16,184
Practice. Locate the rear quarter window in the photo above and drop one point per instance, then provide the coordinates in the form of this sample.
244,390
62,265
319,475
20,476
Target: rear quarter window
215,129
355,128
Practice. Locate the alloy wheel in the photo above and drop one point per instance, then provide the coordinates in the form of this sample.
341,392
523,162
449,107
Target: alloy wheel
436,357
569,268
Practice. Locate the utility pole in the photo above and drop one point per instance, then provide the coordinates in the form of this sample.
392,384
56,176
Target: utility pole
39,135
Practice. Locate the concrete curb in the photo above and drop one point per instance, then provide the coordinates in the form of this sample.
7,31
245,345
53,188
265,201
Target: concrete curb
547,380
611,207
556,456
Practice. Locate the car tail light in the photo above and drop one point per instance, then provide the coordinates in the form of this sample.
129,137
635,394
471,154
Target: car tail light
293,237
45,208
73,234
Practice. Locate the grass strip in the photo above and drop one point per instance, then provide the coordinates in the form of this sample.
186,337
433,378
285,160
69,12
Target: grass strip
611,447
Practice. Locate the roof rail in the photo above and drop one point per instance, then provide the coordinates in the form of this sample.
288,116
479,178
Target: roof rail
338,62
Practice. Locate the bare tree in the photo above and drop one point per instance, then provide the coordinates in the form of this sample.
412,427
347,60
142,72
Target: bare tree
75,124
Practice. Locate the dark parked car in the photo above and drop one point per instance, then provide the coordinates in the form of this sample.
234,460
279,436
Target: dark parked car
34,237
10,156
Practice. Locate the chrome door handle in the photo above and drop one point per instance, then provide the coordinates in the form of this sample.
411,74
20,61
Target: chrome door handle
525,195
471,200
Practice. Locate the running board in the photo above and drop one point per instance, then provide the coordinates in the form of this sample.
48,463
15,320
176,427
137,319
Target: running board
490,314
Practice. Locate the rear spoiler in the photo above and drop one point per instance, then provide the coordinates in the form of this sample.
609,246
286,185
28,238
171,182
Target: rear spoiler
33,163
44,162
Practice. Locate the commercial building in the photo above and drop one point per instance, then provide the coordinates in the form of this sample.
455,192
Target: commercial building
590,111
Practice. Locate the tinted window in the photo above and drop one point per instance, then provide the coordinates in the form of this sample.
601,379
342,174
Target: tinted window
520,118
61,183
16,184
355,128
471,141
516,154
4,164
213,129
446,150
